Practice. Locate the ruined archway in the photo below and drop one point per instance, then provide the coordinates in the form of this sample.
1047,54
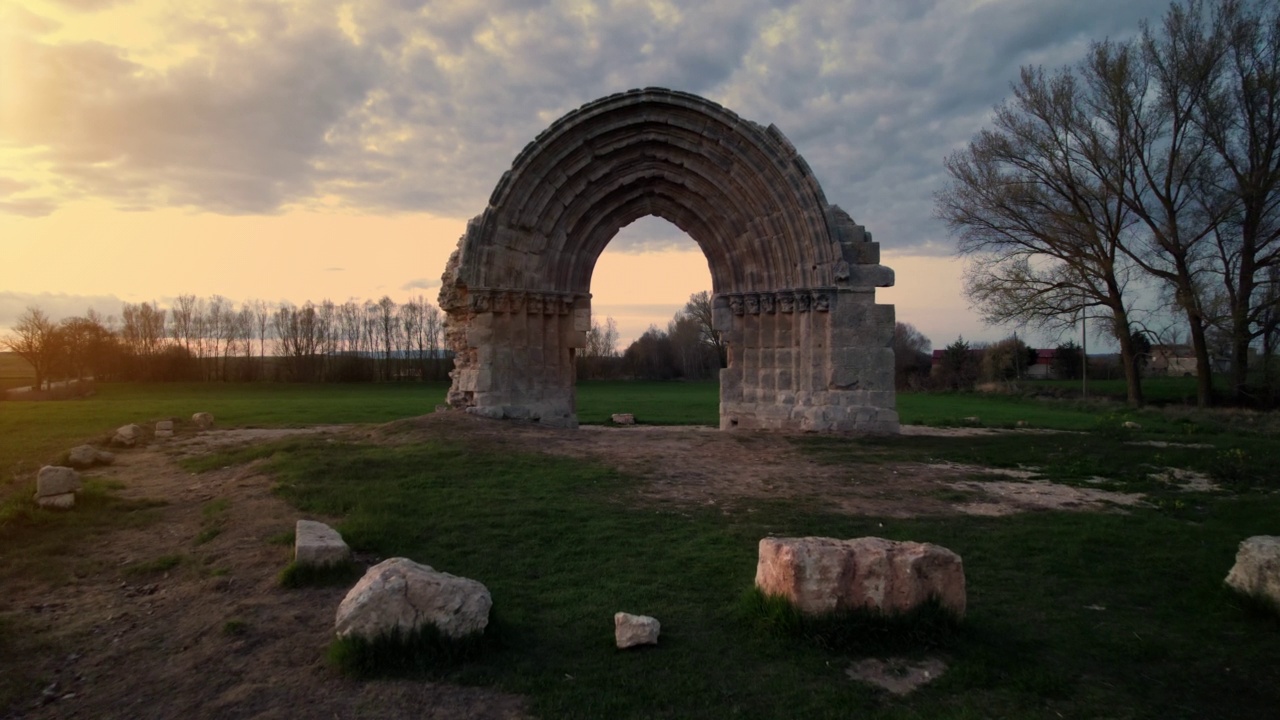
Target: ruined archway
793,278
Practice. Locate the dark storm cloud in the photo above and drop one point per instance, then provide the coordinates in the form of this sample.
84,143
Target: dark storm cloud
416,106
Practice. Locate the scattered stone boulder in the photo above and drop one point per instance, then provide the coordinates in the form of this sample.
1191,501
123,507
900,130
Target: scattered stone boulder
624,419
400,595
86,456
1022,424
632,630
1131,425
820,575
57,480
1257,568
127,435
164,429
202,420
56,487
973,420
317,544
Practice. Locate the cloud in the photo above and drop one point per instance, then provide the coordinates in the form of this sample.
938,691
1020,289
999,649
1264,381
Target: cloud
391,105
421,284
57,306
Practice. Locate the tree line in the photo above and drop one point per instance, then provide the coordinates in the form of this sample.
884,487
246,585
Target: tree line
214,339
1140,185
689,348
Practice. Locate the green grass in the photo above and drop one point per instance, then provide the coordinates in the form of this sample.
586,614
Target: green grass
295,576
653,403
1077,615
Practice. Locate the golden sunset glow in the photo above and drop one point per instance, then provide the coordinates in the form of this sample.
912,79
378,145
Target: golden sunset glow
304,150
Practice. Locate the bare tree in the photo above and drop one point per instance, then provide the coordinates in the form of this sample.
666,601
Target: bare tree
1240,117
35,338
699,309
1035,210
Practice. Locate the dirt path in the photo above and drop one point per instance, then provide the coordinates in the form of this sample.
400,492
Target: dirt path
215,635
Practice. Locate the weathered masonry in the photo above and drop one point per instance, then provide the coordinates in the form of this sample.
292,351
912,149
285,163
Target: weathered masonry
793,277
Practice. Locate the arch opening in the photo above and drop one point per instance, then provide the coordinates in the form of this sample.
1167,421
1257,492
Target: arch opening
793,277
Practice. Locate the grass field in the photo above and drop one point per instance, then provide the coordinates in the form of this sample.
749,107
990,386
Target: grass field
14,371
1071,614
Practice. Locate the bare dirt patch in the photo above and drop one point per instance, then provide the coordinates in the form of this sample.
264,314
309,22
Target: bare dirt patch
208,632
214,636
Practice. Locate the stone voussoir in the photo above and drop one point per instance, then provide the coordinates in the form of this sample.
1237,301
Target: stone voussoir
316,544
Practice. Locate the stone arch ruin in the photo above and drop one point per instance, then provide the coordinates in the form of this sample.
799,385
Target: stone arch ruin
793,277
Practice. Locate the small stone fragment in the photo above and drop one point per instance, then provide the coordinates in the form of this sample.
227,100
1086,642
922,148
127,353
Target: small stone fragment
1257,568
56,480
400,595
318,544
1131,425
973,420
127,435
624,419
203,420
1021,424
632,630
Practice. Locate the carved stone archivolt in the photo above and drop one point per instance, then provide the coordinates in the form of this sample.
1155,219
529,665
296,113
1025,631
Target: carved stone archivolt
793,277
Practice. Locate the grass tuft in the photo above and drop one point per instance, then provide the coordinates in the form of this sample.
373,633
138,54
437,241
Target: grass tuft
296,575
425,651
855,631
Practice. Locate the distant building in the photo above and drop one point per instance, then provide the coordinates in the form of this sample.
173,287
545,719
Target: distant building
1172,361
1042,369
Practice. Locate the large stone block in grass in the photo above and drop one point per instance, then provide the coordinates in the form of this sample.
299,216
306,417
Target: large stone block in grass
1257,568
401,596
56,480
821,575
317,545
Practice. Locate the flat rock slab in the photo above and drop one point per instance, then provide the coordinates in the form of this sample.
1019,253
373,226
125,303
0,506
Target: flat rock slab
623,419
401,596
55,480
317,544
897,675
85,456
65,501
1257,568
821,575
632,630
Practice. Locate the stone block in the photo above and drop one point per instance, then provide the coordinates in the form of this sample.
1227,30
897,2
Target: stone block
821,575
202,420
623,419
399,595
633,630
56,480
164,429
317,544
127,435
65,501
1257,568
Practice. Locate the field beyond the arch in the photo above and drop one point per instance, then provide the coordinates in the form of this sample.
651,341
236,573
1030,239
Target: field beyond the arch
1094,555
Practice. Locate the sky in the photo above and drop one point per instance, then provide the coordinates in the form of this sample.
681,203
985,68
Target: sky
303,150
